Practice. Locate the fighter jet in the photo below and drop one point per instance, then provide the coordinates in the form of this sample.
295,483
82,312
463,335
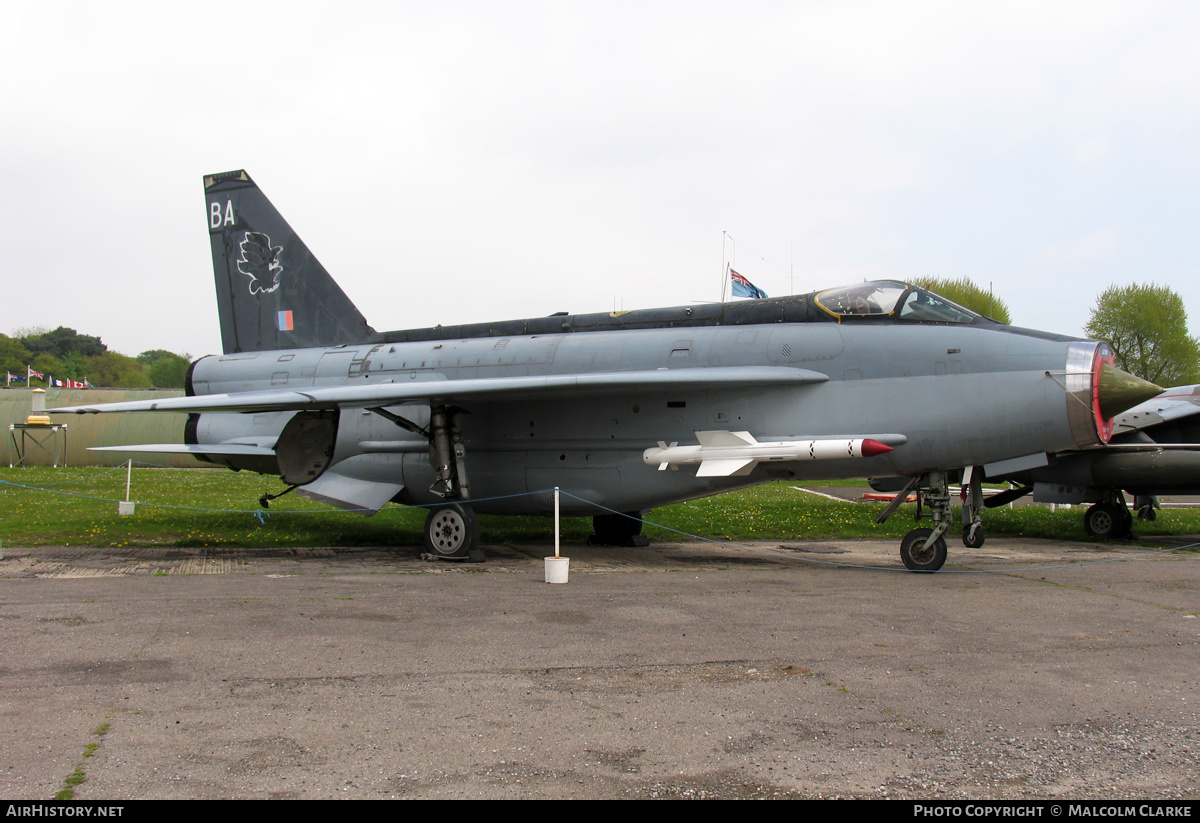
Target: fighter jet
1154,450
622,412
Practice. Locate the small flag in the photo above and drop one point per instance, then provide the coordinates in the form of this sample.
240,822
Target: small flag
285,320
744,288
31,373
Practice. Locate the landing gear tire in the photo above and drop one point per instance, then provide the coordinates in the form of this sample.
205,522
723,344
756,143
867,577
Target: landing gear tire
1147,512
451,531
1107,521
916,557
973,536
617,530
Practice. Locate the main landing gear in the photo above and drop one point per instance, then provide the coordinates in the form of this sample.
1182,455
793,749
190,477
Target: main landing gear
617,530
1110,519
451,529
923,549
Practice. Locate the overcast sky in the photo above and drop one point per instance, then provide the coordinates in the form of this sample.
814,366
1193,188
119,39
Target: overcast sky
465,161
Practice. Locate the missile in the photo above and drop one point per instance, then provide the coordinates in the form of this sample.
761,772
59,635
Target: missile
735,454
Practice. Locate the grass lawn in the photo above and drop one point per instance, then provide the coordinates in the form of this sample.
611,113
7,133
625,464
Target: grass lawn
215,507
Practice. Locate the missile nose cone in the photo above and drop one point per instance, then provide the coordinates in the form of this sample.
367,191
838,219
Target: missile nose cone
1119,390
870,448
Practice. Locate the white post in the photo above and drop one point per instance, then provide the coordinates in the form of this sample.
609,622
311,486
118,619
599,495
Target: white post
557,567
127,507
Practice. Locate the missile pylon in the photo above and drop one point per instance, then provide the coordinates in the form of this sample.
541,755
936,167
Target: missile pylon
735,454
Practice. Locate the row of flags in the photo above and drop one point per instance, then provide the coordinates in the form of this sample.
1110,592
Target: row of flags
52,382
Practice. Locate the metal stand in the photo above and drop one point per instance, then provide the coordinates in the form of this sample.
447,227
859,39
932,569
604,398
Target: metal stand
41,437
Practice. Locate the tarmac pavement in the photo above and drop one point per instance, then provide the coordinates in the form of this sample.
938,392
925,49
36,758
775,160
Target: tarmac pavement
1026,669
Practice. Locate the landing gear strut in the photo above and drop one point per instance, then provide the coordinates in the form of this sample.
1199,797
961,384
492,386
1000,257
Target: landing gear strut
451,530
972,507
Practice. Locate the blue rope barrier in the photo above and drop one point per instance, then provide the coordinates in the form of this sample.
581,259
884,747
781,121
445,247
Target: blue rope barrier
261,516
834,563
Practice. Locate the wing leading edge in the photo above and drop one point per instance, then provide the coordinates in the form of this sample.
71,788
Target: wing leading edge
478,388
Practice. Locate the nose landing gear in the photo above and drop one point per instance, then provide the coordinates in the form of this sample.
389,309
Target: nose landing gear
924,550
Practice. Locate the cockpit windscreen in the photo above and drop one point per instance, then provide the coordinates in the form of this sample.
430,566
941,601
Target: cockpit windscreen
890,298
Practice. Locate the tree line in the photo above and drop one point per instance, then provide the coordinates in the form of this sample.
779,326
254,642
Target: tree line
65,354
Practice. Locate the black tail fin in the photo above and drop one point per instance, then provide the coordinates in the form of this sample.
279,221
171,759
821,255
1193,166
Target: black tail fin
271,292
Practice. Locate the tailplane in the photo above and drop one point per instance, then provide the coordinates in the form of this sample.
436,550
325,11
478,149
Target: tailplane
272,293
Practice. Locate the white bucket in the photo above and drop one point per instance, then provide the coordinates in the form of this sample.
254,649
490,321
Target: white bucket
556,569
125,507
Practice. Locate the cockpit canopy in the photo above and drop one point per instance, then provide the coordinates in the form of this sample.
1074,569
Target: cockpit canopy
891,298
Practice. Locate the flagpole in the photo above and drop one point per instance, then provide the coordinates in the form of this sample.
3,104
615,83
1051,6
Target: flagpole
791,266
724,267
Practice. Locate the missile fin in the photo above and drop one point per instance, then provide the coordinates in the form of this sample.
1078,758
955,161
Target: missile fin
734,467
724,438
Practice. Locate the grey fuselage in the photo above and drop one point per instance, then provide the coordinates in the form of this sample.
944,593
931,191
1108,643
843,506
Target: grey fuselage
946,395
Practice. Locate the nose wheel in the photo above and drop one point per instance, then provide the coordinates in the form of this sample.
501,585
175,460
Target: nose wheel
923,550
973,535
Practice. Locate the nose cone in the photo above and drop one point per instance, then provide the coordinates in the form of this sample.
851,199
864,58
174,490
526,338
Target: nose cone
1120,390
